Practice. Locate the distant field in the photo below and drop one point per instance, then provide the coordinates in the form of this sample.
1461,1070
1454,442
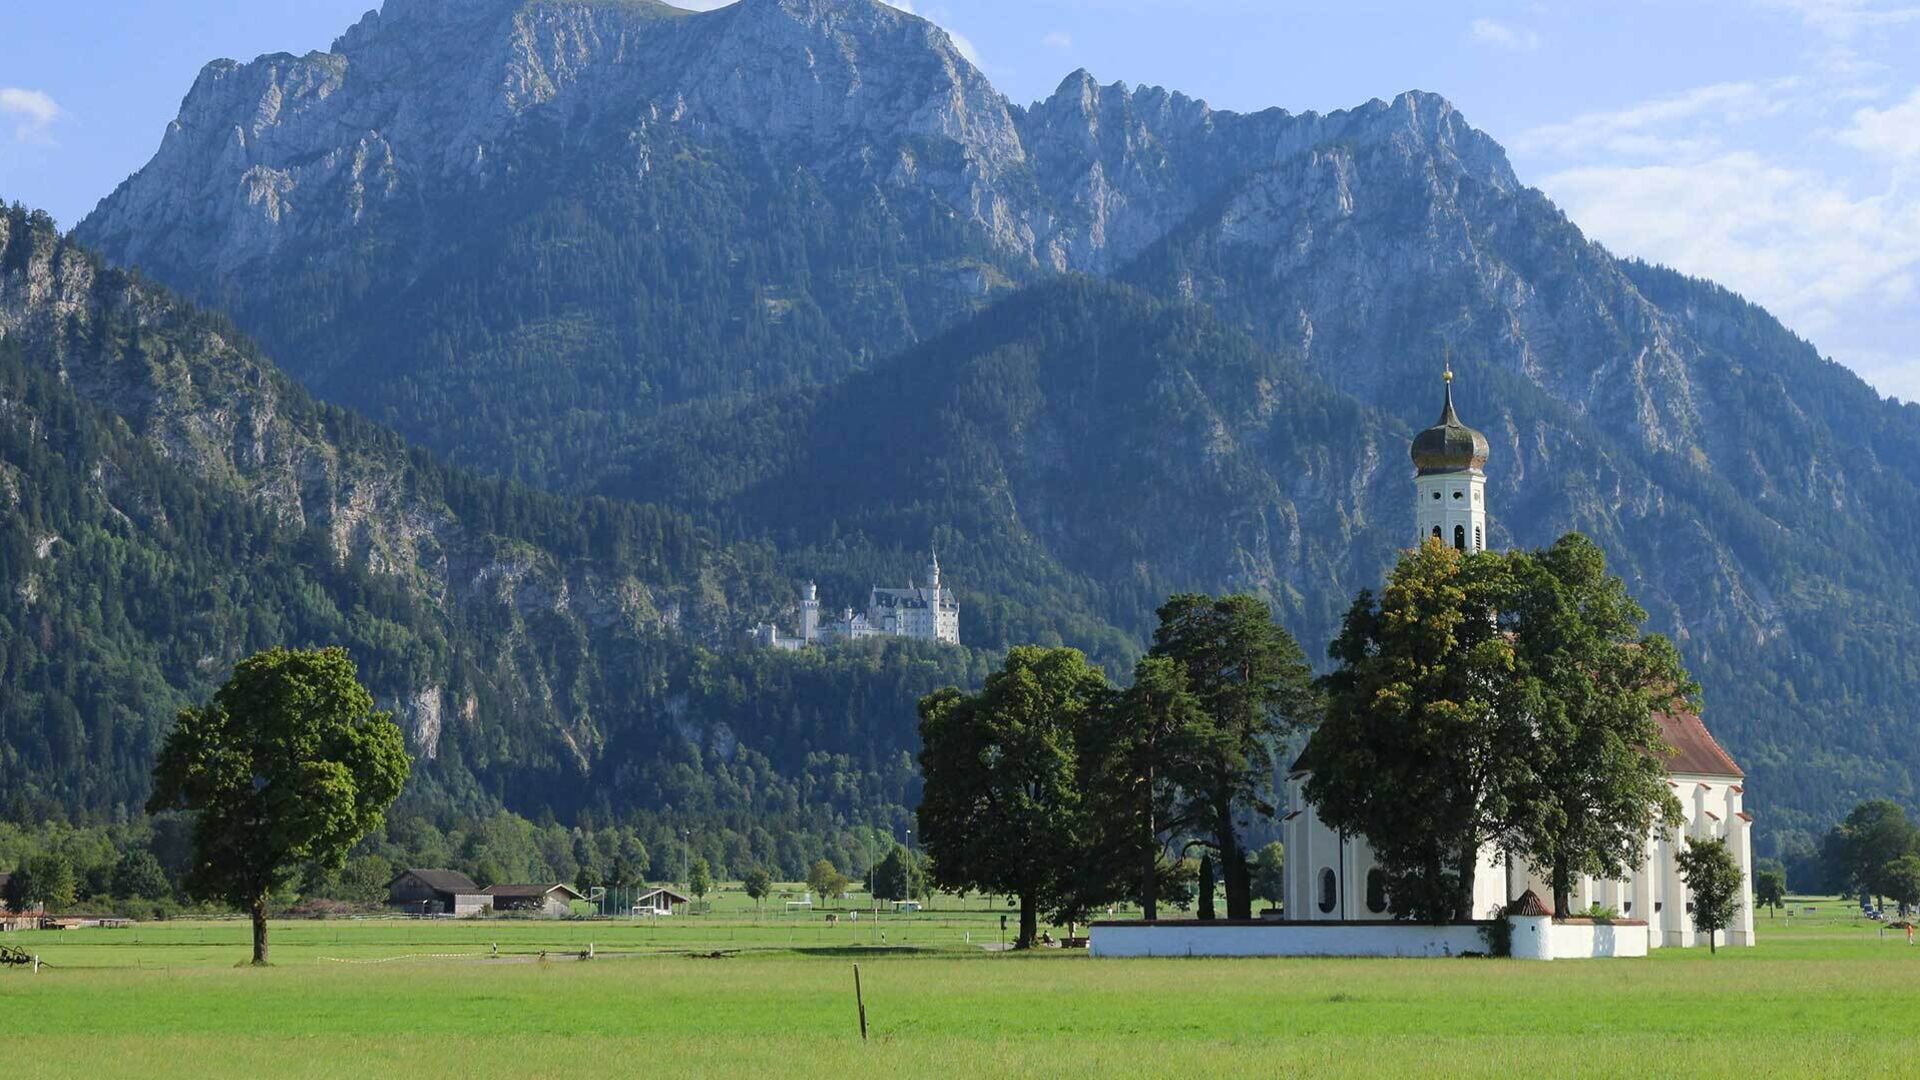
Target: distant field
1825,996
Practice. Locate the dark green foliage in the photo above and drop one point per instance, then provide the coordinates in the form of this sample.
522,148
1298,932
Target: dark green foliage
1253,690
1592,684
699,878
1901,877
139,874
1422,675
43,881
1004,810
896,877
1142,746
757,883
1770,885
1713,881
288,764
1270,873
1859,849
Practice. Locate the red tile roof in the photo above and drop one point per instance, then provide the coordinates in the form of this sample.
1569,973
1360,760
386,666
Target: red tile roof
1529,904
1699,753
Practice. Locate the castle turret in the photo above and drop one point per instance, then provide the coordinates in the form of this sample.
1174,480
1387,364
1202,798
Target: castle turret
1451,485
810,613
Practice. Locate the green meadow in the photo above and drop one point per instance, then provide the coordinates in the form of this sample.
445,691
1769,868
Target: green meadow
772,994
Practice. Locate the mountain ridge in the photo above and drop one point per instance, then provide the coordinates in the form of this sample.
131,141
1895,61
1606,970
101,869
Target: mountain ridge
634,229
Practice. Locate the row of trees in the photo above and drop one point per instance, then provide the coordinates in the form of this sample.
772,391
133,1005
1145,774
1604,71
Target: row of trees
1481,698
1051,786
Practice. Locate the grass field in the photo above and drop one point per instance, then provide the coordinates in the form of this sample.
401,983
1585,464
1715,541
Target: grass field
1825,996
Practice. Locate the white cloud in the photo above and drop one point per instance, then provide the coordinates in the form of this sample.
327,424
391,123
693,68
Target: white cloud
1059,39
1846,18
32,111
1826,261
1500,35
1689,122
1892,133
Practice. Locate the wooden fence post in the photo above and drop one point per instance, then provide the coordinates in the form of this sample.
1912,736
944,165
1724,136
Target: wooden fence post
860,1001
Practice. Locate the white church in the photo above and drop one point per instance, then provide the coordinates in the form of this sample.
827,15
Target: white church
1335,903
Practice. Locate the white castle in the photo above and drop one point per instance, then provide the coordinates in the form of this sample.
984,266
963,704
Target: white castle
928,612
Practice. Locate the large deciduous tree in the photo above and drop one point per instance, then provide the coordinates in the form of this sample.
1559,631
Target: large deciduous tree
1874,834
289,764
1254,689
1422,750
1590,684
1003,809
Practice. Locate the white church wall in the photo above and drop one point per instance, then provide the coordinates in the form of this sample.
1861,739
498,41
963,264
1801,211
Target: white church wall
1281,939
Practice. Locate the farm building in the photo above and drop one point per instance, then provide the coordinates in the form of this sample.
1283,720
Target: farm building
554,901
437,892
659,901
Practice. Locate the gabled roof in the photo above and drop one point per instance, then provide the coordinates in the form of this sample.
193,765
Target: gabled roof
1700,754
671,895
447,881
528,892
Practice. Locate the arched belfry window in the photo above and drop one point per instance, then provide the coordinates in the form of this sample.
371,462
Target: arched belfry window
1436,533
1460,538
1329,890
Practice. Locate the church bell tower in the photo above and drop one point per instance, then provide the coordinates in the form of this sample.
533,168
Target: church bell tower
1450,489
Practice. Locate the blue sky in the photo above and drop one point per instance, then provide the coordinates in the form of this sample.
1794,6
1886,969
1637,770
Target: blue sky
1772,145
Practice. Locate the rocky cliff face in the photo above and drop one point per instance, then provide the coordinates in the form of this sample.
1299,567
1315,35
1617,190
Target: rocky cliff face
149,454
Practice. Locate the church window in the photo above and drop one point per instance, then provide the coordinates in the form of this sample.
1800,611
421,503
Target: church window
1460,538
1436,533
1436,496
1376,891
1329,890
1457,496
1479,544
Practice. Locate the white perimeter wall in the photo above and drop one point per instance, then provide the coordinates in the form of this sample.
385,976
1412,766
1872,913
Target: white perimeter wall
1565,941
1576,941
1282,939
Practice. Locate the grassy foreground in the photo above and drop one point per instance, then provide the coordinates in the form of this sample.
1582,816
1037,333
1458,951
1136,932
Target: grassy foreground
1827,996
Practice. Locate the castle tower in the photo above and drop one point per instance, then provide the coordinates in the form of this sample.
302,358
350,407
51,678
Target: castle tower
810,613
1450,490
933,573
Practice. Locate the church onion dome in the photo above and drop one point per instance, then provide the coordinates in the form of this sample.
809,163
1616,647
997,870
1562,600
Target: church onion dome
1449,445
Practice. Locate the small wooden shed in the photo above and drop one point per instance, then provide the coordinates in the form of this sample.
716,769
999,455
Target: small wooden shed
436,892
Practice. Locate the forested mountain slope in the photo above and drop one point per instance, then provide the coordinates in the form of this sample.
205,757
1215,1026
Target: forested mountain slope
172,503
736,261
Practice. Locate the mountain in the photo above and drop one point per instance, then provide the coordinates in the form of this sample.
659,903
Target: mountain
174,502
795,269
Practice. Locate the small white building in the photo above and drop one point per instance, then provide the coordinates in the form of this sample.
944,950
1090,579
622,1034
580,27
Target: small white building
659,901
